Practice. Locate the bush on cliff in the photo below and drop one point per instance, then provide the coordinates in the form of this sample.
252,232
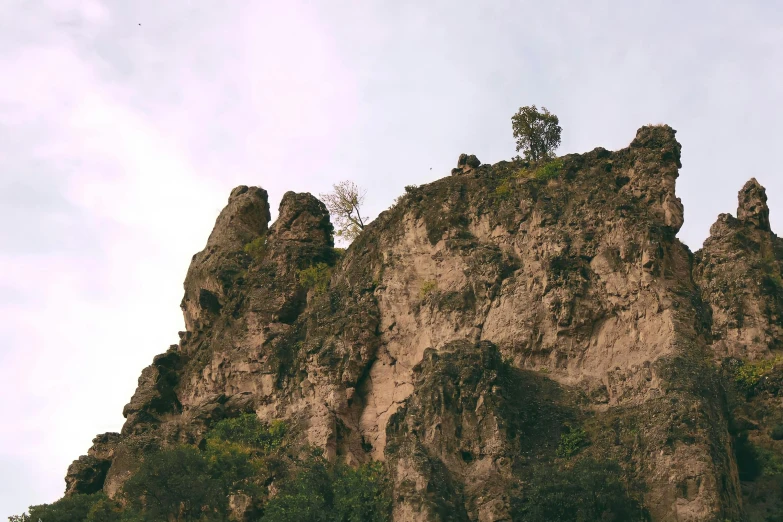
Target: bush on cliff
242,455
79,508
323,492
589,491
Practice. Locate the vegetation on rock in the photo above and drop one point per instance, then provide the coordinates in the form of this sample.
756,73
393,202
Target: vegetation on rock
537,132
345,204
324,492
549,170
748,375
315,277
571,442
241,457
453,340
427,287
256,248
588,491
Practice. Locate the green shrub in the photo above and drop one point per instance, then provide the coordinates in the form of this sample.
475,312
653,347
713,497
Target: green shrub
777,432
188,484
571,442
427,287
108,510
590,491
549,170
503,191
315,277
322,492
306,497
257,247
362,494
771,461
76,508
249,430
747,375
177,482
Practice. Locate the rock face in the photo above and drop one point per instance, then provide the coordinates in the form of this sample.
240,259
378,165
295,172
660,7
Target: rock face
470,325
739,271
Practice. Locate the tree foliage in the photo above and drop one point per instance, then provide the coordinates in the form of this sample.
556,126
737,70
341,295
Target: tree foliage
324,492
537,132
242,455
180,483
345,205
362,494
195,484
247,429
590,491
78,508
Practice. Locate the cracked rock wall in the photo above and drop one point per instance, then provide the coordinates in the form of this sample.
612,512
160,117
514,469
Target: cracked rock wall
468,325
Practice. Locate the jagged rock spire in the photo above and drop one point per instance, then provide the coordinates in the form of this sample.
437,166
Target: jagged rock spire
303,217
245,217
659,137
753,205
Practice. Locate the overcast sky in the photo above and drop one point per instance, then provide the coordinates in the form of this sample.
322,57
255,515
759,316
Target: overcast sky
125,124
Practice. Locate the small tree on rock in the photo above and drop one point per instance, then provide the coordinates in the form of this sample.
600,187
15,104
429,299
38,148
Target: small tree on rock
537,133
345,205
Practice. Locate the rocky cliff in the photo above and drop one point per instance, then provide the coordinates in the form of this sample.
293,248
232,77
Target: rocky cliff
476,322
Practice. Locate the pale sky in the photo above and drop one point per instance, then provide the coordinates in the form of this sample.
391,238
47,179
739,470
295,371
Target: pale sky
120,142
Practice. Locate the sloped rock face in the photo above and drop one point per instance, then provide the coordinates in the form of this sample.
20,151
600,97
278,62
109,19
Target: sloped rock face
470,325
580,276
739,273
87,474
452,447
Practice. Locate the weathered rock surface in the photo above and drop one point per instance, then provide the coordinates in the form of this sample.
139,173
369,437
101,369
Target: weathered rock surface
739,271
471,324
470,418
87,474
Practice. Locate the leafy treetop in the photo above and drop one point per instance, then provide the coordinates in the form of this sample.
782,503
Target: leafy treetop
537,132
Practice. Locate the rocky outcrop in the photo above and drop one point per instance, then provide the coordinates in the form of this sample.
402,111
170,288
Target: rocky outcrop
473,324
452,447
739,273
155,395
87,474
466,163
212,271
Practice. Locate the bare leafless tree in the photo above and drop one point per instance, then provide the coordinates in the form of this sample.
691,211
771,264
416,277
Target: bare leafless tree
345,203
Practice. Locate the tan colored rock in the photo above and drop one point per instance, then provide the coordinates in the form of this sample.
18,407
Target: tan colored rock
466,326
739,272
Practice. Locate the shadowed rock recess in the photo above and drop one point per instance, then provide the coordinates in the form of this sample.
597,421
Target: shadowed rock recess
476,322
